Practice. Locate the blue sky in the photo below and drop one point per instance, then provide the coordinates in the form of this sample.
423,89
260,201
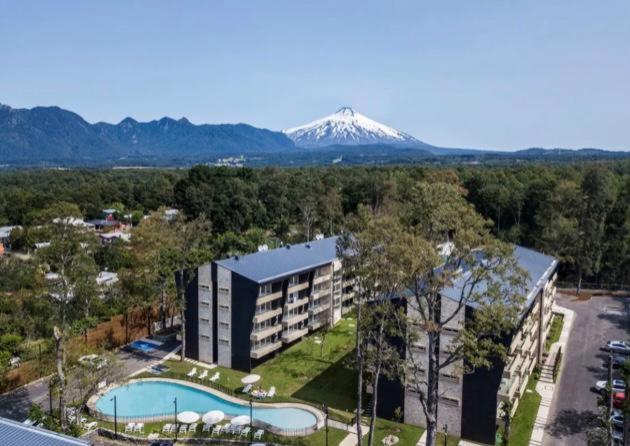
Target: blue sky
492,74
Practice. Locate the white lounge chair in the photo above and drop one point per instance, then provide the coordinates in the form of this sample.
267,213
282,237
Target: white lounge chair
215,377
216,430
173,429
203,374
167,428
247,388
183,429
91,425
193,372
206,428
129,427
245,432
226,428
258,434
139,427
192,427
272,392
236,430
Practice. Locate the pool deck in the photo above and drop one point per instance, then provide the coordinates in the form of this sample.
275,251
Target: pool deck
319,415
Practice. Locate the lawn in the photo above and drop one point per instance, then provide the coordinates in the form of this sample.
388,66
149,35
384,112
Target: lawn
405,432
318,373
523,420
554,332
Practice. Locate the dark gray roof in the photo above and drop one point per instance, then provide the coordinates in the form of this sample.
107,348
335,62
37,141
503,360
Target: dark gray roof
13,433
539,268
269,265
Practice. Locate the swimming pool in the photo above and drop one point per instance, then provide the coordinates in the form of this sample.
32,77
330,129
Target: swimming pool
144,346
154,398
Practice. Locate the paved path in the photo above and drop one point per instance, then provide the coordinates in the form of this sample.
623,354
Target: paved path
545,386
574,410
351,439
16,404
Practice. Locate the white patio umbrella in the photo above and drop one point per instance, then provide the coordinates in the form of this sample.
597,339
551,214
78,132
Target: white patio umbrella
213,417
187,417
241,420
250,379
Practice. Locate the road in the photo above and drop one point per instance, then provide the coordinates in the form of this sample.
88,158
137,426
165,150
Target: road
574,410
16,404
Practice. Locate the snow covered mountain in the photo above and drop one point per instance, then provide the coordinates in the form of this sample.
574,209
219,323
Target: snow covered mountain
347,127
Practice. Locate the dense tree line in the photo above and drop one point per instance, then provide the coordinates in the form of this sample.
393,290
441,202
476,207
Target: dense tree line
577,212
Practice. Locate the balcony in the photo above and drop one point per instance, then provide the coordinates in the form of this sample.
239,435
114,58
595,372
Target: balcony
292,335
317,309
264,350
320,293
260,317
265,333
321,279
294,319
297,287
297,303
268,297
345,310
317,323
348,296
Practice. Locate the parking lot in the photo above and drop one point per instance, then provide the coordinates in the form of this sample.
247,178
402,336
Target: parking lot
574,410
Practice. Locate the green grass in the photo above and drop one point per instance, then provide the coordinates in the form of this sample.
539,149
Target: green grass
450,440
407,433
523,420
314,372
554,332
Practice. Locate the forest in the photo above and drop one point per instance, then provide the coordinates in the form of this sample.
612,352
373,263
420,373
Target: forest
577,212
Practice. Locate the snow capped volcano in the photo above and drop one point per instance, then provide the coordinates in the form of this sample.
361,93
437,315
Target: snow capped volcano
347,127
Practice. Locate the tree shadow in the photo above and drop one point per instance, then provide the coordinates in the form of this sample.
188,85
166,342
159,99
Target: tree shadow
571,421
15,405
336,386
620,321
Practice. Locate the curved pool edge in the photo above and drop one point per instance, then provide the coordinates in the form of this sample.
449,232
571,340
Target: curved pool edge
318,414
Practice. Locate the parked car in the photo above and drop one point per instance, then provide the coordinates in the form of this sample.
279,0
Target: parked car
617,437
618,347
618,399
618,385
617,418
618,360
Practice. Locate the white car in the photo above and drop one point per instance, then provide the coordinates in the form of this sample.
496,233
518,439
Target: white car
618,347
618,385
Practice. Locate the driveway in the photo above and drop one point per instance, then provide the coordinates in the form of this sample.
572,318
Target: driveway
16,404
574,410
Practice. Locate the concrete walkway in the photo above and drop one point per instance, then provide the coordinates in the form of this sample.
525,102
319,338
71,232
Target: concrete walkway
546,387
351,439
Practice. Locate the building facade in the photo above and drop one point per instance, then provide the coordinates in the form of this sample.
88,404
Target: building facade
244,309
470,404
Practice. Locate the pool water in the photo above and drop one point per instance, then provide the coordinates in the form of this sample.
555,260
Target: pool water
154,398
144,346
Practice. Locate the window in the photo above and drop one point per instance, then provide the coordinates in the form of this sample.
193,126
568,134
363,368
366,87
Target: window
450,330
205,338
224,307
450,401
205,321
223,290
265,289
293,280
205,303
224,341
224,324
204,287
449,377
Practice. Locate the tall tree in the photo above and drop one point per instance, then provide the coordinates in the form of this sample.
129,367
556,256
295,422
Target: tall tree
71,284
449,247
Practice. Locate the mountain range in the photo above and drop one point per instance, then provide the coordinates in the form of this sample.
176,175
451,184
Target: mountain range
52,135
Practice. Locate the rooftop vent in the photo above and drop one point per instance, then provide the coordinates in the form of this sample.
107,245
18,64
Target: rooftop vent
263,248
236,258
288,246
308,245
319,236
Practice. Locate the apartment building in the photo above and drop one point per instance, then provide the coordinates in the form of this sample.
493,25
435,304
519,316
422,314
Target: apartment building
471,404
244,309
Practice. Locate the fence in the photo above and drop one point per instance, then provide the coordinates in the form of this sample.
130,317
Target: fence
594,285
